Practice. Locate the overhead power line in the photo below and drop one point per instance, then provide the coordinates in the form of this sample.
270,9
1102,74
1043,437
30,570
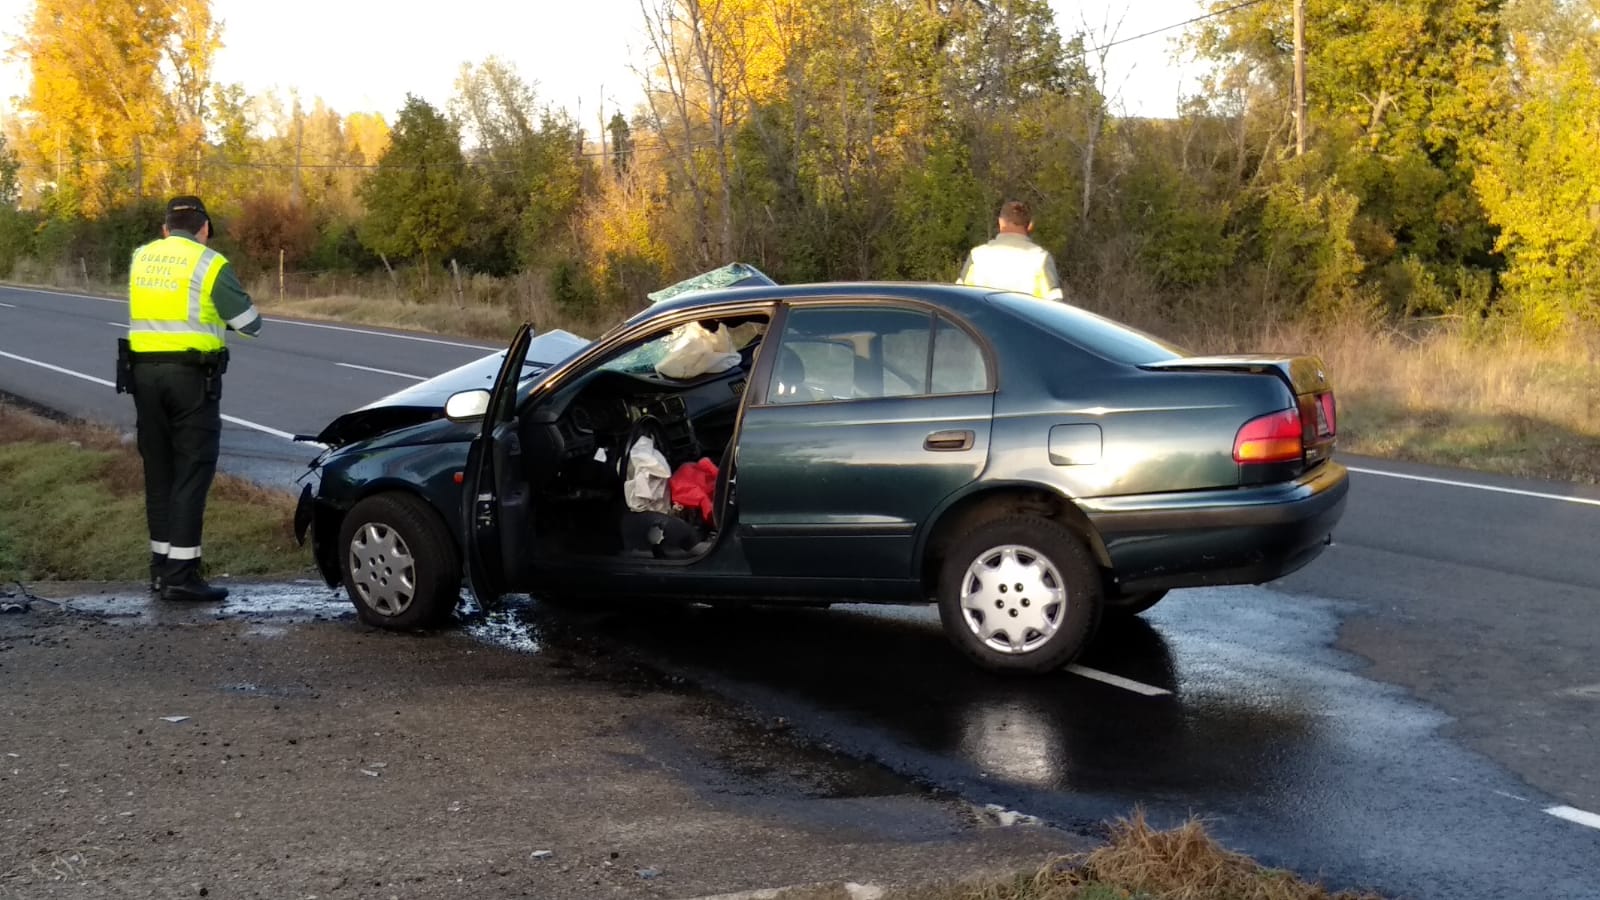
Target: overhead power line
1165,28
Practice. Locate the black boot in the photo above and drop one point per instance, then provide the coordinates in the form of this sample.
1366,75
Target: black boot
183,583
158,566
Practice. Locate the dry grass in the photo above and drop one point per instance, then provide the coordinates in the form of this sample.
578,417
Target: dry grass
1137,863
74,509
1184,863
488,322
481,320
1494,403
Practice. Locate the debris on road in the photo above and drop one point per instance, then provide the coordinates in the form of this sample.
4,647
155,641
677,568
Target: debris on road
541,854
19,601
1007,818
174,719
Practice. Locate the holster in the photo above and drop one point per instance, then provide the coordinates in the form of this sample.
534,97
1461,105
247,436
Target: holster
216,364
124,367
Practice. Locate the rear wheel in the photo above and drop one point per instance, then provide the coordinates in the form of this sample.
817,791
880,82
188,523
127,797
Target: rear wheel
1019,594
1125,605
399,564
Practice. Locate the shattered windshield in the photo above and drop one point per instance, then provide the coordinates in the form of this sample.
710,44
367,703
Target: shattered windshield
725,276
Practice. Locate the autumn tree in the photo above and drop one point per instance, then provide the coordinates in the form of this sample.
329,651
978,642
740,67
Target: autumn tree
1539,175
621,143
417,201
13,230
1398,93
117,97
530,170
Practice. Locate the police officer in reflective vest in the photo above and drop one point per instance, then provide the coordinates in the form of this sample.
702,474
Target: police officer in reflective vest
1012,261
182,298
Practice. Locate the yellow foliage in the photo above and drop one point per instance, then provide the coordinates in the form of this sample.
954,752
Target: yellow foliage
368,135
116,95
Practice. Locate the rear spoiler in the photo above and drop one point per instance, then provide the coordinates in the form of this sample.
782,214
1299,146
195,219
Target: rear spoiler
1303,374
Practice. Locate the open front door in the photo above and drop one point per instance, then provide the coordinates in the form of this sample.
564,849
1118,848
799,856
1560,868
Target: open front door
496,503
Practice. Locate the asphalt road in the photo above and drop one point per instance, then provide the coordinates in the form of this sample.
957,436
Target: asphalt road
1417,712
59,350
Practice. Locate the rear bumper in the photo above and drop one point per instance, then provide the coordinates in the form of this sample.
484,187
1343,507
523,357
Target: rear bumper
1238,536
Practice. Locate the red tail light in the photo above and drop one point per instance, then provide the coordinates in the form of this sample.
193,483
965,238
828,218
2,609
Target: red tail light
1271,438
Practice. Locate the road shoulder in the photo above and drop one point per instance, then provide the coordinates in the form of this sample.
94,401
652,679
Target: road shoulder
325,758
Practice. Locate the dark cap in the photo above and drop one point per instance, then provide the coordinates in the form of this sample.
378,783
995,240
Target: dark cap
179,204
182,210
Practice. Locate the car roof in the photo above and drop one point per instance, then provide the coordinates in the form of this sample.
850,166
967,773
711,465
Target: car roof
956,298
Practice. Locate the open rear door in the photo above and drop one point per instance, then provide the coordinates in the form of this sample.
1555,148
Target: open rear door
496,505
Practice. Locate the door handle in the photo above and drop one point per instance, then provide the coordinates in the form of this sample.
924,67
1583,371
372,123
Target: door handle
948,441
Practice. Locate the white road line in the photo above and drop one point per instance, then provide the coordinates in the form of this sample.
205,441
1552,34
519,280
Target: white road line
381,371
9,305
1575,815
118,324
34,290
277,321
264,429
1127,684
245,423
45,365
1448,482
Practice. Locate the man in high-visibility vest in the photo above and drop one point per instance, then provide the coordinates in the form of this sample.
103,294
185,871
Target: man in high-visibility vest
182,298
1012,261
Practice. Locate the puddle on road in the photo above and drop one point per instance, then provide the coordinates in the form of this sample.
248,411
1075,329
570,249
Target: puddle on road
509,627
267,606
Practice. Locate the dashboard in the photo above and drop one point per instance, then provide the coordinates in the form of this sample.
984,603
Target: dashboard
608,411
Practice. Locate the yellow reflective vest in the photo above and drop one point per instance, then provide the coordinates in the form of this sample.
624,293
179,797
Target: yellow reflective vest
169,297
1013,262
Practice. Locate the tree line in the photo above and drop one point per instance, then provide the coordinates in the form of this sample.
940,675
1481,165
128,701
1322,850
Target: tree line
1451,168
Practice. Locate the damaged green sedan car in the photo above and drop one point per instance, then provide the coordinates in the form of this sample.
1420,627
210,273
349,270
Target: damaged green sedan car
1028,466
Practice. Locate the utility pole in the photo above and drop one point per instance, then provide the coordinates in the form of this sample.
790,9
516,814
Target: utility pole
138,170
1299,77
297,190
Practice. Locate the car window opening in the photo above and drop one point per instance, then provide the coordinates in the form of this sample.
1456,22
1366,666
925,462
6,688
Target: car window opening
633,460
832,354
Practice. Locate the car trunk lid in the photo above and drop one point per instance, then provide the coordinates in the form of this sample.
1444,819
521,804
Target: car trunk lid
1307,380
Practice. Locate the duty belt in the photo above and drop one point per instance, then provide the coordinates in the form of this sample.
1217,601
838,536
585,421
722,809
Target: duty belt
216,360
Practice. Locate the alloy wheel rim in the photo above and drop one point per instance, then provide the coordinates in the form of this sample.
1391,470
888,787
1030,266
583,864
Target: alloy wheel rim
382,569
1013,599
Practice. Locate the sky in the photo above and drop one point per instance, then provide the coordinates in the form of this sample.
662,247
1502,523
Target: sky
365,55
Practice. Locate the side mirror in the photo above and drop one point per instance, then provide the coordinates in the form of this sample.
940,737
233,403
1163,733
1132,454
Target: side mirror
464,405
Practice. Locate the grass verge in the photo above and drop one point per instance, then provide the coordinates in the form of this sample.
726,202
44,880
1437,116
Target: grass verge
490,323
1484,402
74,510
1138,863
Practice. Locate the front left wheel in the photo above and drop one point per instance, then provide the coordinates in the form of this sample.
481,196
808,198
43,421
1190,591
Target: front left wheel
399,564
1019,594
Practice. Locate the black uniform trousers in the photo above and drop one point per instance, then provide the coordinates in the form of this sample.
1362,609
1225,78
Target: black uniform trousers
180,431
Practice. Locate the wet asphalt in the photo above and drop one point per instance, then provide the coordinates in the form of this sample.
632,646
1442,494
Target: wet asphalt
1268,733
1398,716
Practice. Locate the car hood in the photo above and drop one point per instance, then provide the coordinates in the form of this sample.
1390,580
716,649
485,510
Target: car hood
425,400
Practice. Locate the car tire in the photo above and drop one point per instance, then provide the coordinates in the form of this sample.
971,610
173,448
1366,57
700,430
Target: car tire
399,563
1046,558
1127,605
